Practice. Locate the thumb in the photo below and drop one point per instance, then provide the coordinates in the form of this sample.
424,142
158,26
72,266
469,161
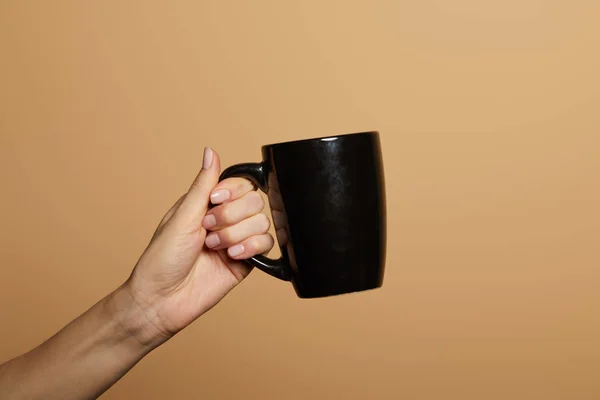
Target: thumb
197,199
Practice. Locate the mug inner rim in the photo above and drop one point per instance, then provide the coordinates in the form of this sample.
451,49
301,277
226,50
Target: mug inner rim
322,138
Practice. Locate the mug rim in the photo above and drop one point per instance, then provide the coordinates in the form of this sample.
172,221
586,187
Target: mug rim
323,138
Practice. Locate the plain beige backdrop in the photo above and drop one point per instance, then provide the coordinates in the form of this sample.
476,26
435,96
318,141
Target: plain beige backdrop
489,113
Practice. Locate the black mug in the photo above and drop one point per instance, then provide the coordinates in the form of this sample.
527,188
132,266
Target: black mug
327,200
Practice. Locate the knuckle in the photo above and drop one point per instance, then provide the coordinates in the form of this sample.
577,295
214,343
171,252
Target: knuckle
264,223
251,245
247,185
253,195
256,200
240,187
270,242
226,237
282,237
226,216
195,185
262,244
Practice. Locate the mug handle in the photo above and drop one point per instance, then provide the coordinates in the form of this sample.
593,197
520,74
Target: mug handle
255,173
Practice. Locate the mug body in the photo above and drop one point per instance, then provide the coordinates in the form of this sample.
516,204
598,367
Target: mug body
327,198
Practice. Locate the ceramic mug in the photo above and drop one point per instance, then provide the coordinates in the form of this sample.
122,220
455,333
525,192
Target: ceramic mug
327,200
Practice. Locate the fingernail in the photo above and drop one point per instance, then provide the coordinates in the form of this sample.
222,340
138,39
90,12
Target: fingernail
219,196
208,158
209,221
212,240
236,250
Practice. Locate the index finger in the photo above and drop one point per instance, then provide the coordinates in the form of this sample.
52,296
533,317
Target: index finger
230,189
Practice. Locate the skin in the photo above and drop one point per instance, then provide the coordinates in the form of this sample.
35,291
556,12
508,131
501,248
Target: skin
193,260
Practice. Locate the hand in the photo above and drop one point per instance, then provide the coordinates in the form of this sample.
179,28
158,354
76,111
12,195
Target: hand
183,272
177,279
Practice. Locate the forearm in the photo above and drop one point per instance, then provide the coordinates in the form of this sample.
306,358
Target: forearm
85,358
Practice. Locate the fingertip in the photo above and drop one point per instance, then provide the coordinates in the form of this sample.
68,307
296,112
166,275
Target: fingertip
236,251
236,186
196,201
209,221
207,160
216,160
212,241
210,159
219,196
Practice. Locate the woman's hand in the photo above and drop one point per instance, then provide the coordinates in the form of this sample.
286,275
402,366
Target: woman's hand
186,270
177,279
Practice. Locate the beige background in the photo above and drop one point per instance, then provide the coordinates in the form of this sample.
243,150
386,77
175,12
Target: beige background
490,122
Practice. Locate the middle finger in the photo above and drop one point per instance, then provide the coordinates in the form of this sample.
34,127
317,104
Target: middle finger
234,211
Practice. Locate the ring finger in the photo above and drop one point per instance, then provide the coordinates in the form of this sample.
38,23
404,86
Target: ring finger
255,225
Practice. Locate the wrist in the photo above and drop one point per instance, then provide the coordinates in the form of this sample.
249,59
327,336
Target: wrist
135,321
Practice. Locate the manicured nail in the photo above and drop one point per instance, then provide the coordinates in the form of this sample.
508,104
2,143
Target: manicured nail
208,158
219,196
212,240
209,221
236,250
